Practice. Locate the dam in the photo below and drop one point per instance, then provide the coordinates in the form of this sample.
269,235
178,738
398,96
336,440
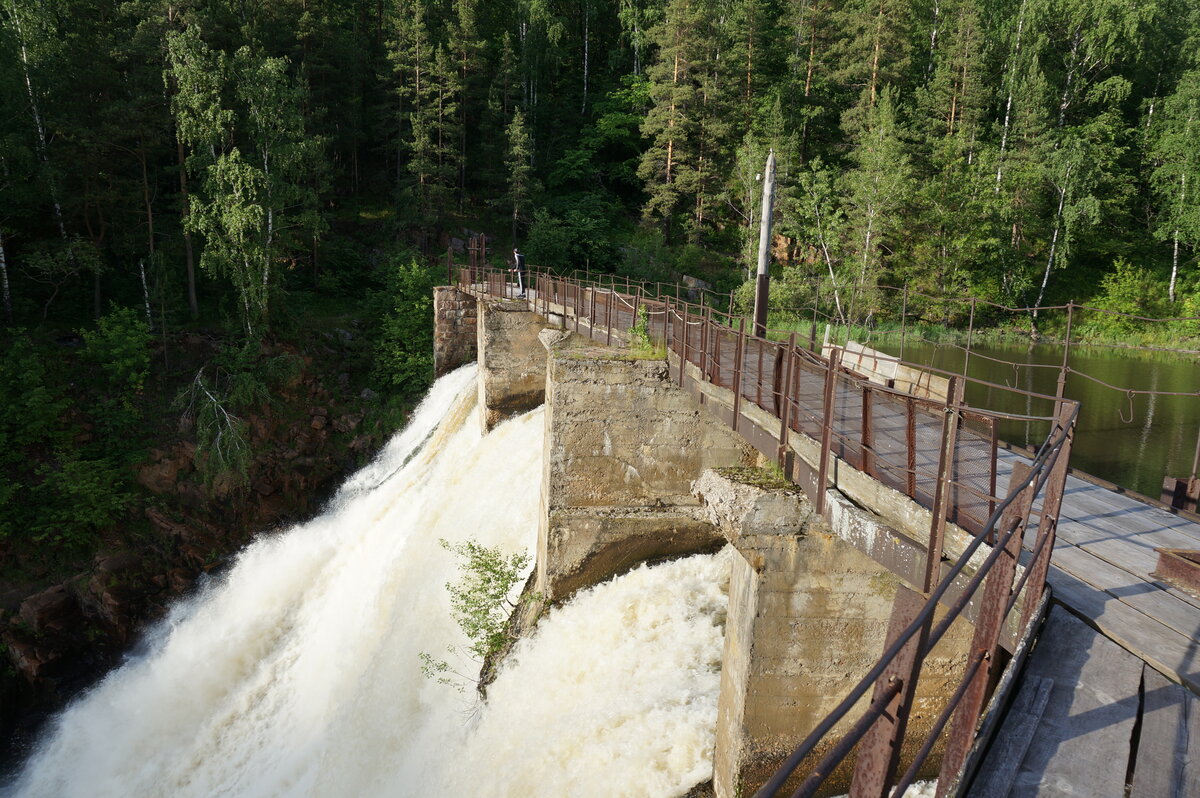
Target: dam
889,469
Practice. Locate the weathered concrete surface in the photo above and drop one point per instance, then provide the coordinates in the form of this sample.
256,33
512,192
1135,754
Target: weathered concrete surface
512,362
893,533
454,329
808,614
623,445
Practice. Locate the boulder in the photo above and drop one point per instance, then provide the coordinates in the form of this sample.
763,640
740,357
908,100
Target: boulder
52,611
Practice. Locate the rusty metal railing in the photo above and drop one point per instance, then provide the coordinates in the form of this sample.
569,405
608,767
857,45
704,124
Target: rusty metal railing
939,452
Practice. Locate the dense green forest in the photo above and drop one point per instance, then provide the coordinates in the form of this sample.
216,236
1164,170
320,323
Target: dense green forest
211,153
256,170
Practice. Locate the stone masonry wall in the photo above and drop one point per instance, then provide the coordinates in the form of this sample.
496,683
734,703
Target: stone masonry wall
454,335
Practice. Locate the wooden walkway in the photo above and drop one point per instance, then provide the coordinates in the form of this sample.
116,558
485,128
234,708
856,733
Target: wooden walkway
1099,710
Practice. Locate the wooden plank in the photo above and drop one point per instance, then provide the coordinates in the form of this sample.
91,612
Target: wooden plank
999,768
1166,764
1165,649
1132,559
1145,597
1081,746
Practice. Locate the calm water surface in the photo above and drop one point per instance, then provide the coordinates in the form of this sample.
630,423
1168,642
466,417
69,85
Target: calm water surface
1133,442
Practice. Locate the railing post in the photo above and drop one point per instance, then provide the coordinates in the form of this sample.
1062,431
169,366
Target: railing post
970,336
993,607
910,445
1060,390
879,751
608,305
716,356
738,356
941,491
831,367
683,345
703,358
785,417
637,303
903,319
867,443
1051,504
592,315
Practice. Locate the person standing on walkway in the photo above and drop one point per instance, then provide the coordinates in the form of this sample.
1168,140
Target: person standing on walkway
519,268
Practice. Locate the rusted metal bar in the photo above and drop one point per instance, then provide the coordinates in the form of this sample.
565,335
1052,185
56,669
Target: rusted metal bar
759,343
941,490
777,382
910,444
1051,504
738,356
1060,389
684,345
831,366
879,754
637,303
703,356
903,319
785,417
970,335
994,456
935,732
608,306
716,358
826,766
592,315
867,444
992,609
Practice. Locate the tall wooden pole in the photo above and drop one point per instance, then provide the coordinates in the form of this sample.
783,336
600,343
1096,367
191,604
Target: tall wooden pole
763,284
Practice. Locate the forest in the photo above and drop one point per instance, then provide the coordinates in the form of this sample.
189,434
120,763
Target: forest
220,154
255,172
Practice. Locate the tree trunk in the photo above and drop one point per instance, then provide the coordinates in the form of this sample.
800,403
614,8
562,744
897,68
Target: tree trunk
189,257
1175,264
35,110
1062,195
6,296
1008,103
146,295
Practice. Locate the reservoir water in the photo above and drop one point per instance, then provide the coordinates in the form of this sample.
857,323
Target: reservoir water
1133,441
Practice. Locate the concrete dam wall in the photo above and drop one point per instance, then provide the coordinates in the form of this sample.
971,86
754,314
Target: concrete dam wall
636,469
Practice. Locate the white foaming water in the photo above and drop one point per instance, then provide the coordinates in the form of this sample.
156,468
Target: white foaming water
297,673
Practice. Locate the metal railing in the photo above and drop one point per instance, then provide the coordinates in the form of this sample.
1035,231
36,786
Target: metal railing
939,452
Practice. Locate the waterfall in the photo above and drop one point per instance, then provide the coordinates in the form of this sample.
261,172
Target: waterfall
296,673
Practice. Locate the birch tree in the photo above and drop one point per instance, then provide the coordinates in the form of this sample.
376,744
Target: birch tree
1175,177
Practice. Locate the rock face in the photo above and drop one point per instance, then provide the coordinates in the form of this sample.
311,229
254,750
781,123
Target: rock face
58,633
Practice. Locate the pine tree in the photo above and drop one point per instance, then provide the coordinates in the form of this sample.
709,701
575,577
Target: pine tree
519,162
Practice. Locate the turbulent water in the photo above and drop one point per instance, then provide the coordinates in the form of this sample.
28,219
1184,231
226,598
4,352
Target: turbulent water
297,673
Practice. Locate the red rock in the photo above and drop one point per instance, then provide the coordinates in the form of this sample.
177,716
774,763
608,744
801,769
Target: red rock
53,610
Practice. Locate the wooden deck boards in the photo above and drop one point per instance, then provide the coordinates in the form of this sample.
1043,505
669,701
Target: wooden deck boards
1090,713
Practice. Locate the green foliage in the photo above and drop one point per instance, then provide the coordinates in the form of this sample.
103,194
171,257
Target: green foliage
479,603
120,346
238,380
1131,290
404,338
79,498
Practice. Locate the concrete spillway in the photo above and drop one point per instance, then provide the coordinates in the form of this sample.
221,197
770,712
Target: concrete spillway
297,673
